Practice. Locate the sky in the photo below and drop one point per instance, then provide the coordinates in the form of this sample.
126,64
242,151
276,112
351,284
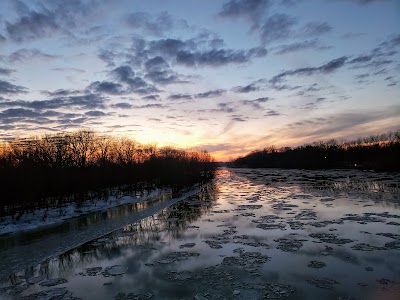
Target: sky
227,76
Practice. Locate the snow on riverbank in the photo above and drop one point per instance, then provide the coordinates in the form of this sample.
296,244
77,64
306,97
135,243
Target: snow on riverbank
51,216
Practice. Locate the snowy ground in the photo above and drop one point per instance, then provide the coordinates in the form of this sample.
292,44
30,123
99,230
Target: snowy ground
45,217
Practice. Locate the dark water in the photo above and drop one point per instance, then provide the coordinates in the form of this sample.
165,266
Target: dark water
251,234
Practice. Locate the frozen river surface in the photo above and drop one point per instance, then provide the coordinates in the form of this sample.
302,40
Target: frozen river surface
251,234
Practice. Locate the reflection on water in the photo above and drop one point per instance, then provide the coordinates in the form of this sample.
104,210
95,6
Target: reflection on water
251,234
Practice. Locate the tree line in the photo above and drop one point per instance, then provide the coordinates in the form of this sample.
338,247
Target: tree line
46,170
375,152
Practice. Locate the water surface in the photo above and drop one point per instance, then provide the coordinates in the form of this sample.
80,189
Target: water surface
251,234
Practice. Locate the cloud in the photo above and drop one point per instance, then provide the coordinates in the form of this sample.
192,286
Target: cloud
30,116
346,121
246,89
95,113
122,105
32,26
6,72
256,103
251,10
315,29
45,21
125,74
88,101
77,70
151,105
272,113
23,55
151,97
361,59
378,57
180,96
158,26
299,46
353,35
127,82
392,42
7,88
196,52
218,57
276,27
107,87
211,94
237,118
329,67
159,71
62,92
366,2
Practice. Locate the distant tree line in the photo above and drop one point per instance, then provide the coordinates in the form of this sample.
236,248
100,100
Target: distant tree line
54,167
376,152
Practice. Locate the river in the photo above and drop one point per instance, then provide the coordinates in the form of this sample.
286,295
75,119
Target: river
249,234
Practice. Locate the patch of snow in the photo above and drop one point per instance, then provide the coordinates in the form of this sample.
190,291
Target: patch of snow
51,216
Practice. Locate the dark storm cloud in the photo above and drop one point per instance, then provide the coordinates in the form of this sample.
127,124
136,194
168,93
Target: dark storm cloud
246,89
276,27
210,94
88,101
6,72
163,23
251,10
7,88
329,67
2,39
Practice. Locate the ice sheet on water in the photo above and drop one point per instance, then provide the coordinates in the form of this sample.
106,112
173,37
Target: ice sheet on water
115,270
53,282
